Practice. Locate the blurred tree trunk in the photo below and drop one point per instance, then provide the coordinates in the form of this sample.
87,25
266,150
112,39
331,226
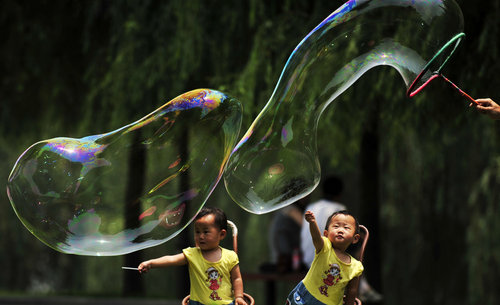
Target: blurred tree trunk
370,206
183,237
132,284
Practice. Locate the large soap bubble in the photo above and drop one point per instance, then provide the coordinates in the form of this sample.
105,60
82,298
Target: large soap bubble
129,189
416,37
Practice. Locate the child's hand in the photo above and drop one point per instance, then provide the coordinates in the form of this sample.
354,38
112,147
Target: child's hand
144,267
239,301
310,217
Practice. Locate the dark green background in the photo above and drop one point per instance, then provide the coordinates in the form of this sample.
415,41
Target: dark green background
423,174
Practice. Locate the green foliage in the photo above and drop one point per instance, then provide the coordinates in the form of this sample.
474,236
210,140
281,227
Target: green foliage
75,68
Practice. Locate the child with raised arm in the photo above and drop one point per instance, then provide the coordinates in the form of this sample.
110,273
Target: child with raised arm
333,272
214,272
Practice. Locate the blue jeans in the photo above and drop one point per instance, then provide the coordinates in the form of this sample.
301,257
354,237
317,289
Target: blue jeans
198,303
300,296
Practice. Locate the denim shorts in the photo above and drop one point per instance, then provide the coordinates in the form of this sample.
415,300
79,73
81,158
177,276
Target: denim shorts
300,296
198,303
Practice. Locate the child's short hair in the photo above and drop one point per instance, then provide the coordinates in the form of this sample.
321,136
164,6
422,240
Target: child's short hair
219,215
344,212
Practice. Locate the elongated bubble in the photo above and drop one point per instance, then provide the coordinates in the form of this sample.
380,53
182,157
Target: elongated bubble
416,37
129,189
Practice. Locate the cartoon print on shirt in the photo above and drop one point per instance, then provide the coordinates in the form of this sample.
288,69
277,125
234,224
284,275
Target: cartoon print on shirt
332,277
214,280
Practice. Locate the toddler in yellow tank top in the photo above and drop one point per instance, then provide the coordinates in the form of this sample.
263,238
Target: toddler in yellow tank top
214,272
333,270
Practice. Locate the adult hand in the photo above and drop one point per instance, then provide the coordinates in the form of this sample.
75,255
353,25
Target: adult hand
489,107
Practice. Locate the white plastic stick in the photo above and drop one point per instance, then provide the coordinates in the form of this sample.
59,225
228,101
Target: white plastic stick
130,268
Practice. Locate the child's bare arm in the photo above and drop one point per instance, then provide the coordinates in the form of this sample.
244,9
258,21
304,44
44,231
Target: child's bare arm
164,261
237,282
351,291
315,233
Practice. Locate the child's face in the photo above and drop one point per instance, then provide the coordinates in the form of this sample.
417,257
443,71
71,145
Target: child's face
342,231
207,235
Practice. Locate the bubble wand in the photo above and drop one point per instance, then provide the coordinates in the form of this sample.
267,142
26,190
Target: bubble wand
436,75
459,90
414,90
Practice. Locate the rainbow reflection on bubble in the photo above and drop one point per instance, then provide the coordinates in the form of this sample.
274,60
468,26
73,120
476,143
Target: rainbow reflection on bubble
416,37
129,189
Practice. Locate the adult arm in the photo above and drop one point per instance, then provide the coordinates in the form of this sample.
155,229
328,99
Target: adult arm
489,107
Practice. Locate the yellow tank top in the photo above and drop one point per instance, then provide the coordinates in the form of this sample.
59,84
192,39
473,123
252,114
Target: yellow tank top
328,276
211,281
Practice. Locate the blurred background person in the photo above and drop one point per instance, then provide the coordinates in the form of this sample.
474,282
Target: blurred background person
284,233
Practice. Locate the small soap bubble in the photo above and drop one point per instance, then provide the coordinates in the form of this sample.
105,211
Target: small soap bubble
75,194
415,37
